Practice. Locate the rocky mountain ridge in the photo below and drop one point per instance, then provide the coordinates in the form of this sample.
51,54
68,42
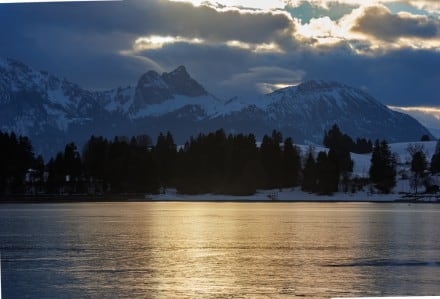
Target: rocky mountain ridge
53,111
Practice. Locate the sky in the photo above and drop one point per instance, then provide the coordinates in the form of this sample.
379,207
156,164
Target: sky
389,48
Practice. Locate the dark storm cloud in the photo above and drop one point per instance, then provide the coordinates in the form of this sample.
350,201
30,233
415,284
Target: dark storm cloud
378,21
217,66
56,38
140,17
84,41
400,77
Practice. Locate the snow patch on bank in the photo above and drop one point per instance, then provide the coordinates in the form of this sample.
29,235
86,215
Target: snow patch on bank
289,194
360,169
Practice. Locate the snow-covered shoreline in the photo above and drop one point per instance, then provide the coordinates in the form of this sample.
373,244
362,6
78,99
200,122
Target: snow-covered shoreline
361,167
287,195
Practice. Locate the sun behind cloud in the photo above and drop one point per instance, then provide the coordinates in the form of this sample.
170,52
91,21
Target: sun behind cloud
261,4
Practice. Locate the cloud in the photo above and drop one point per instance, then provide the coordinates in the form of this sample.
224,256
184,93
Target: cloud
51,36
306,10
210,24
230,50
161,18
427,116
399,77
429,5
261,4
266,78
227,71
371,31
154,42
434,112
379,22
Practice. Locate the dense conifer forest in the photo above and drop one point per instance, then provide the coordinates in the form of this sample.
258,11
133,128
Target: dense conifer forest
217,163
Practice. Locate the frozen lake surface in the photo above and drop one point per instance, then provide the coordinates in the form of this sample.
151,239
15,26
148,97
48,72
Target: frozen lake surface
219,250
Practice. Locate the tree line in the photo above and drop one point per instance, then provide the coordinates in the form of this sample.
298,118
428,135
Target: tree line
216,163
16,157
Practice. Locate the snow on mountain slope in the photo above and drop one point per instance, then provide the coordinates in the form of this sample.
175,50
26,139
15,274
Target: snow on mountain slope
208,103
153,89
304,96
16,76
117,100
306,110
157,95
31,87
52,110
332,95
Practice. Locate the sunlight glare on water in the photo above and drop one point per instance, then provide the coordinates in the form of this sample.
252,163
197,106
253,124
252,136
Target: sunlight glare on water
212,250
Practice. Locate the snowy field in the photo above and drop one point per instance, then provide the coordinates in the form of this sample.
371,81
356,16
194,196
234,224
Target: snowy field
360,169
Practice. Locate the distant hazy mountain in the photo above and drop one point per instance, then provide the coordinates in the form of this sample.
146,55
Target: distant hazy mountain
53,111
435,132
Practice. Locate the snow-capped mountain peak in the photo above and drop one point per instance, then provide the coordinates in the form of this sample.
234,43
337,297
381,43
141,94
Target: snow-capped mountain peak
310,108
180,71
53,111
318,85
181,83
154,89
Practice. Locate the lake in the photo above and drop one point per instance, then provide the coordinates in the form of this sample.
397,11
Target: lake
219,250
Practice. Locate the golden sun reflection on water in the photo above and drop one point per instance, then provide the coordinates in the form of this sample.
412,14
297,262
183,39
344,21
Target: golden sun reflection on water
220,250
258,249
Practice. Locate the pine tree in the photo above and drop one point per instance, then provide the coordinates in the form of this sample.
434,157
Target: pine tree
340,144
322,173
57,176
291,164
383,167
16,157
244,170
425,137
72,161
271,159
418,166
309,173
327,173
165,155
96,159
435,160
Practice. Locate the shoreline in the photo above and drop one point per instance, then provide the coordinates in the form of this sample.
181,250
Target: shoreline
262,196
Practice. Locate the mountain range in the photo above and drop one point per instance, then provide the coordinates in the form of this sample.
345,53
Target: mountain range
53,111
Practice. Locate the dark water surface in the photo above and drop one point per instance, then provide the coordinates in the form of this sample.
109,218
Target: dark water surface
219,250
